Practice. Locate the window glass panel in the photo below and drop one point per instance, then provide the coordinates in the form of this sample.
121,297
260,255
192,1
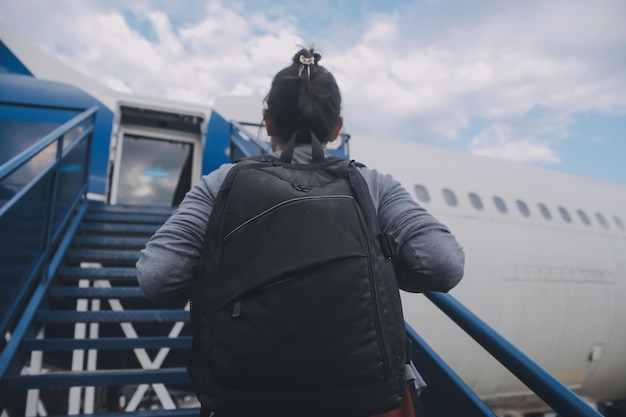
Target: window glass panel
565,215
500,205
545,212
450,198
476,201
422,193
153,171
523,208
602,220
619,222
583,217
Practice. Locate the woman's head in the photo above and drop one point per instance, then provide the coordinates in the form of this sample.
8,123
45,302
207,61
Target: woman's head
303,96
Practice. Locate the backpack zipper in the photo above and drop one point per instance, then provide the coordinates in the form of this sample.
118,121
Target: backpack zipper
282,203
373,289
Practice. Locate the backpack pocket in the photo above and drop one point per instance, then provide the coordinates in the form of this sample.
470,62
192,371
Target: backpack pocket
290,335
298,309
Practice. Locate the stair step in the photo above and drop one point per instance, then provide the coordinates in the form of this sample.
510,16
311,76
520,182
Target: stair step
181,412
108,256
96,378
117,242
126,218
106,343
115,274
118,229
65,316
94,292
134,209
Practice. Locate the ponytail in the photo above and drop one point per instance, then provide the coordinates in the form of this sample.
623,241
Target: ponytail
304,96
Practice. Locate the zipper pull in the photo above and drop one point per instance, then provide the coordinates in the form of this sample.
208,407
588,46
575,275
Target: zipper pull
237,308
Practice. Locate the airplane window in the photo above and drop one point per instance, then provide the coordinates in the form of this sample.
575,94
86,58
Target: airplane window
583,217
500,204
619,223
565,215
602,220
545,212
523,208
422,193
476,201
450,198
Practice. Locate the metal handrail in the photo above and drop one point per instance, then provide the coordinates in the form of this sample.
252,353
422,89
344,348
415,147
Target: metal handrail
560,398
44,265
437,373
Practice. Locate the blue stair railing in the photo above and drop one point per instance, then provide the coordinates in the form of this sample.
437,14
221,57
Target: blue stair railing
44,189
556,395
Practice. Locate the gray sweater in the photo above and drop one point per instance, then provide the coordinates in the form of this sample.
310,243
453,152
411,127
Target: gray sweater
430,258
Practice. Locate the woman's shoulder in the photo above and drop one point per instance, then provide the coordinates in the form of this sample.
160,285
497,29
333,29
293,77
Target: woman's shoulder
213,180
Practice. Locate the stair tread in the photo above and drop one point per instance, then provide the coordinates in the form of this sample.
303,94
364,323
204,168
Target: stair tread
94,292
110,273
112,228
180,412
134,218
60,379
107,343
124,208
102,253
120,242
72,316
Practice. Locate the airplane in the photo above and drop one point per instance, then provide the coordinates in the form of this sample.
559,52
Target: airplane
544,249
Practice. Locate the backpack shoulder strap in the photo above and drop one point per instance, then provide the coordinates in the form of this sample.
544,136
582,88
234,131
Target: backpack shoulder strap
364,198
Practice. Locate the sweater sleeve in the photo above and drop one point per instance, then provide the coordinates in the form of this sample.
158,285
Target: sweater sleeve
164,268
429,256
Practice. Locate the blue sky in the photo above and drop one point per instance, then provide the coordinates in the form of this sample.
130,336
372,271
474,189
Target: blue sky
540,82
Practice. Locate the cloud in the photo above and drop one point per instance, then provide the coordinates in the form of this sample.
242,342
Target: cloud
499,141
147,51
419,70
496,64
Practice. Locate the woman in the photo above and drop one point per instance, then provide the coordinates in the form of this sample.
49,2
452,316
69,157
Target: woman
305,97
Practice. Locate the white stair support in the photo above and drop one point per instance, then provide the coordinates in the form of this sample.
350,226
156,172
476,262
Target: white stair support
34,407
78,356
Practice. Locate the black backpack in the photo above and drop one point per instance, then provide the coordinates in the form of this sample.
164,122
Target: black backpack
296,310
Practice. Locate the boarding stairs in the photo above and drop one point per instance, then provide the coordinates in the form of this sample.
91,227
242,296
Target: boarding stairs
99,345
79,337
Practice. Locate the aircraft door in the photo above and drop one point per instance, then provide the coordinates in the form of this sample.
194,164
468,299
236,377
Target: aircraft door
152,171
156,156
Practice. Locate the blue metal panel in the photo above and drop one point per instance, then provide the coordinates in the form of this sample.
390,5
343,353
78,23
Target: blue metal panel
22,235
27,99
9,62
99,158
217,144
30,91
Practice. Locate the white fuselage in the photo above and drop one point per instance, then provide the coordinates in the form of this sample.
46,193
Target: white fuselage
552,288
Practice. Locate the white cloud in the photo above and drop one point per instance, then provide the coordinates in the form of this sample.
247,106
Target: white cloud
424,72
499,141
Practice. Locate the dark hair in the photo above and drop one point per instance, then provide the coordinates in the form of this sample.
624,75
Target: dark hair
304,97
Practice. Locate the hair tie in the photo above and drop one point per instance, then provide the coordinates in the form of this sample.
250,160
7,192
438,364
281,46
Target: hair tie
304,61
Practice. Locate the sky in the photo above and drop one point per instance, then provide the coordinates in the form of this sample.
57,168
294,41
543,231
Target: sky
536,81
